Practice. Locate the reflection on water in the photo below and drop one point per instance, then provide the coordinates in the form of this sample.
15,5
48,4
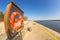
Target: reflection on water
55,25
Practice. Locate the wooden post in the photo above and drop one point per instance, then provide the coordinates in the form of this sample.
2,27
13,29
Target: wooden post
11,7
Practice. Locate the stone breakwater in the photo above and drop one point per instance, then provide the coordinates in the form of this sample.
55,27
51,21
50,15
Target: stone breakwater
33,31
2,31
38,32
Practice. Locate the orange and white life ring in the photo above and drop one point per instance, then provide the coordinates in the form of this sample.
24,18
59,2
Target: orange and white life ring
16,25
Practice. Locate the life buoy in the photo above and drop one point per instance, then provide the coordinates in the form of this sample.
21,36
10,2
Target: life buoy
13,24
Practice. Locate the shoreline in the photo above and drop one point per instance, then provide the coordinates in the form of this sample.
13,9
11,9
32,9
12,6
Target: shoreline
35,33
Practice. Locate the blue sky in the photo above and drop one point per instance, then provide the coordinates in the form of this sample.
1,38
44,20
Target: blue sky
36,9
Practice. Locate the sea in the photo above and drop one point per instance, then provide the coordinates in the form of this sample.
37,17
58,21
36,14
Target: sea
54,25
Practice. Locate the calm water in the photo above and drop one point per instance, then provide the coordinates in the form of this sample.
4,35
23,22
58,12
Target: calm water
55,25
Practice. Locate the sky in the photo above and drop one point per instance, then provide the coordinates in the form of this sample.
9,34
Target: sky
36,9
